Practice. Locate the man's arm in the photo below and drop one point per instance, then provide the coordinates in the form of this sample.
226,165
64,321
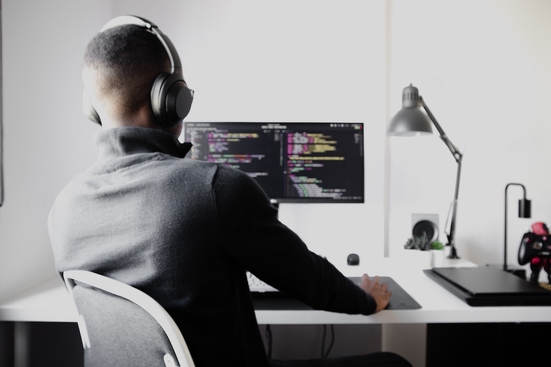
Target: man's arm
258,241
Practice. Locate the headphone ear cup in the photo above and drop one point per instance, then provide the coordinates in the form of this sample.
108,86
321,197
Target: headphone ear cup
171,99
88,109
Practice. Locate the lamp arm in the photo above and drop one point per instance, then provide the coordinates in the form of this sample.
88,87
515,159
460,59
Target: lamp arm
458,156
453,149
451,235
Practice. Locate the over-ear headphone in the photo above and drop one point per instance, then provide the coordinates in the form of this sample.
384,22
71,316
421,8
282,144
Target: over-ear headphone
171,99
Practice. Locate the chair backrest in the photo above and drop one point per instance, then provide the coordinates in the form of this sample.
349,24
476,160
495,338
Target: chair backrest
122,326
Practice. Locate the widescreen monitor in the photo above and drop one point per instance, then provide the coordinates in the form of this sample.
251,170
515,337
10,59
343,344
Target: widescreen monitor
306,162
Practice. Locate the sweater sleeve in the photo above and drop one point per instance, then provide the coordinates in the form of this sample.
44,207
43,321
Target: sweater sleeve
258,241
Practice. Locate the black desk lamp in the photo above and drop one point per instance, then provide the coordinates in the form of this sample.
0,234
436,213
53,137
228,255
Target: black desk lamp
524,211
410,121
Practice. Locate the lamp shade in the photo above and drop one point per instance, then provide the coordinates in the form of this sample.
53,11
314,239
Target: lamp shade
410,120
524,208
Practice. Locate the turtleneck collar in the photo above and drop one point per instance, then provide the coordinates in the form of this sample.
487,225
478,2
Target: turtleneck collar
124,141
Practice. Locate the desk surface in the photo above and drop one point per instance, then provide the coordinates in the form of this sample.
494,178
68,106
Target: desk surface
50,302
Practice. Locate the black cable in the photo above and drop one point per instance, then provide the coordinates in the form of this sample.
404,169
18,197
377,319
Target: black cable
332,341
323,341
325,354
268,334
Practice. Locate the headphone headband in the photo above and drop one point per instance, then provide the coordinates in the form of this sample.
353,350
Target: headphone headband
175,64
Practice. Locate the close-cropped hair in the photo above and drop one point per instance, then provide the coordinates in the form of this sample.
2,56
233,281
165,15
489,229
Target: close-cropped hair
127,60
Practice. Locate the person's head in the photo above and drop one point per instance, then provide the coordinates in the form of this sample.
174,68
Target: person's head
120,67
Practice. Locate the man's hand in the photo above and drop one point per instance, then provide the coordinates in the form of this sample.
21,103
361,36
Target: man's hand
379,291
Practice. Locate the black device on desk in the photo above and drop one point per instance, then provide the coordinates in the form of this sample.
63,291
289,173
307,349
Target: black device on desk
489,286
400,299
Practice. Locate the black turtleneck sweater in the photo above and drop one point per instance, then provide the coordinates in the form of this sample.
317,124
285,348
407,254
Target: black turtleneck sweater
185,232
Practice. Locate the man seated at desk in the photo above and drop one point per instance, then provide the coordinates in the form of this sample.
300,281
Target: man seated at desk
184,231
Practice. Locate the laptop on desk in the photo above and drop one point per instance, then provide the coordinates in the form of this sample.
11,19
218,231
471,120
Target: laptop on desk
490,286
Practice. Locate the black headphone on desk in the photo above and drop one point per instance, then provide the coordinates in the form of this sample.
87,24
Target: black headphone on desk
171,99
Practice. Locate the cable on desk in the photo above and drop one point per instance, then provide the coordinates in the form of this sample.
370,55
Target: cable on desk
325,354
268,334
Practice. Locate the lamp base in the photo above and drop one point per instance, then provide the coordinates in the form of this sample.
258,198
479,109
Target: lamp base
453,253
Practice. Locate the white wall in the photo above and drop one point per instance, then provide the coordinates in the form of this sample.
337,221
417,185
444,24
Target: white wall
483,69
47,139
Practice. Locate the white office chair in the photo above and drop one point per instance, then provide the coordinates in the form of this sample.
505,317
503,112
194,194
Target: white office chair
122,326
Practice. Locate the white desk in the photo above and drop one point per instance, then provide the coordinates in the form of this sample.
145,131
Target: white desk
50,302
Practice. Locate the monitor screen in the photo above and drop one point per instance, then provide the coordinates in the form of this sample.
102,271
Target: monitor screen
310,162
